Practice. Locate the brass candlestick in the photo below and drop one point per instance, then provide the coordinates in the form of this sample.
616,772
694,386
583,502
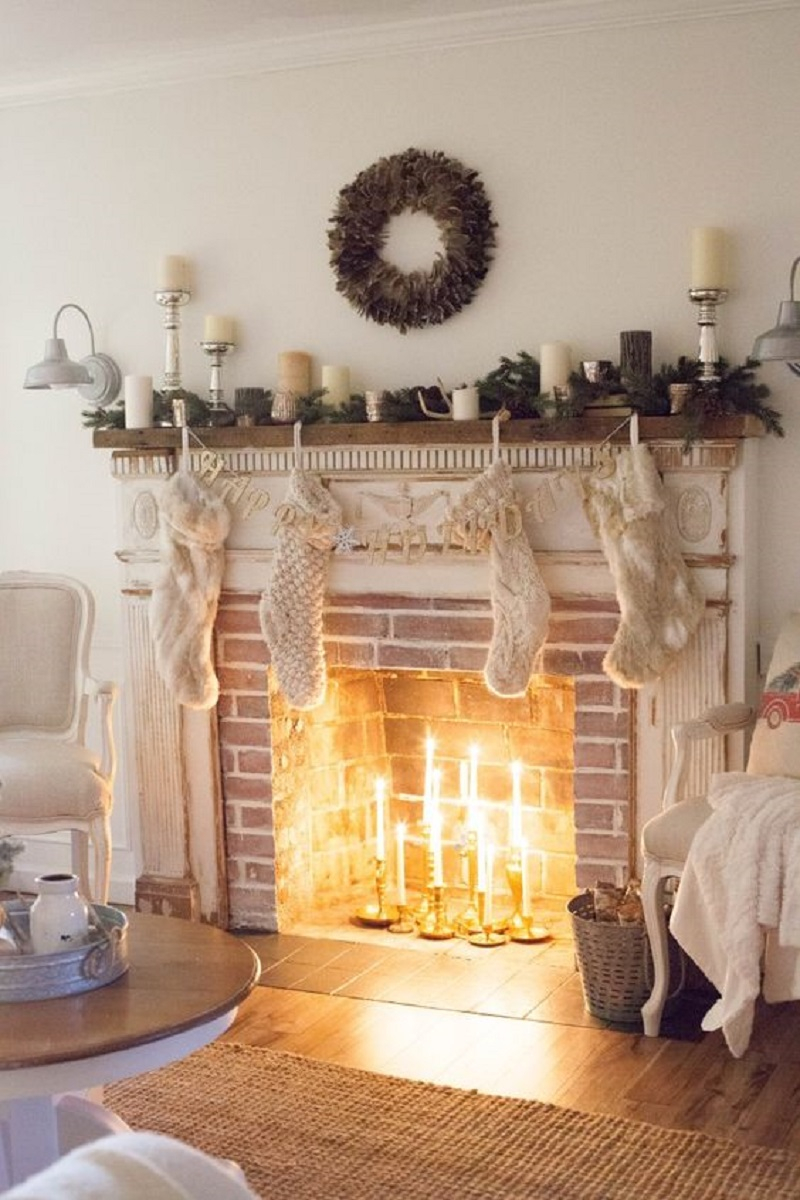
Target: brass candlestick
487,935
467,921
520,925
379,915
404,922
435,924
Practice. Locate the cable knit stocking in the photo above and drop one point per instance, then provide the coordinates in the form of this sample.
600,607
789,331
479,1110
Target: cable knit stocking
291,608
660,602
520,602
193,526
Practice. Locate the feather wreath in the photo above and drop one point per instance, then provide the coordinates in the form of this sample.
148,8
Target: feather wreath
419,181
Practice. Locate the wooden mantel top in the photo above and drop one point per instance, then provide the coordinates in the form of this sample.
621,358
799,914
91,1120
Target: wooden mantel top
577,431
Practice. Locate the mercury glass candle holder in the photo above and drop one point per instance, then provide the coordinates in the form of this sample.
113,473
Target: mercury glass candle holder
171,301
220,413
707,301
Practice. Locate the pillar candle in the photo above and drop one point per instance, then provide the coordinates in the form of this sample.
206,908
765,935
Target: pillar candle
218,329
465,403
172,274
138,401
380,831
294,372
554,366
336,381
709,268
401,862
515,815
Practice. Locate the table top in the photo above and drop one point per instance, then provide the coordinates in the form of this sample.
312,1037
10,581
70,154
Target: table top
182,974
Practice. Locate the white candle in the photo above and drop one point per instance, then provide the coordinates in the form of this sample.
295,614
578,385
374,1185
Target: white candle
172,274
436,792
487,907
336,381
480,882
554,366
138,401
436,851
218,329
709,267
465,404
380,831
526,899
515,815
294,372
401,863
430,747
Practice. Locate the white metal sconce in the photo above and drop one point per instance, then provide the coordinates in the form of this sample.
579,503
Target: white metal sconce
783,341
97,377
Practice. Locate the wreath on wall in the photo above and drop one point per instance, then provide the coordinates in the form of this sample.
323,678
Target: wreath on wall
420,181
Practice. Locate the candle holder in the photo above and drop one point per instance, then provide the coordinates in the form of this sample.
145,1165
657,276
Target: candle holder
435,925
172,300
467,921
220,413
404,922
707,301
379,916
514,923
487,935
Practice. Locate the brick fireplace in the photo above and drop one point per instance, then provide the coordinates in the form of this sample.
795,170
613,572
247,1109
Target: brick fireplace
218,791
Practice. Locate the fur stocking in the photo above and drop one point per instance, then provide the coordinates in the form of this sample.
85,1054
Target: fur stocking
660,602
194,524
520,603
291,608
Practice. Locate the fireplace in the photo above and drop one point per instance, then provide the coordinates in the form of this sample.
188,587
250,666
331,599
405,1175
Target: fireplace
228,831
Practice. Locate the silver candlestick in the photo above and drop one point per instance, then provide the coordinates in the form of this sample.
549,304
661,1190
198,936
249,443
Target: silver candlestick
172,300
707,300
221,413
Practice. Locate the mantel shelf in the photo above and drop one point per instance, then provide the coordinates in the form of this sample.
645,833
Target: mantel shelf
579,431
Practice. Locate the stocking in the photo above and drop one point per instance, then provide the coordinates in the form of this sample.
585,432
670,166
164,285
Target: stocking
194,524
660,602
520,603
291,608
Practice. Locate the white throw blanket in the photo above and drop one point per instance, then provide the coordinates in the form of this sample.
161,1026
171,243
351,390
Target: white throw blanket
741,881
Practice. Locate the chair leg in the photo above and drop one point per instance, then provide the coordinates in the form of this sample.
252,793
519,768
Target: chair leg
80,859
656,923
101,837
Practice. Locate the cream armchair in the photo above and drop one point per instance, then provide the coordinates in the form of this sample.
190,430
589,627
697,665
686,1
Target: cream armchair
49,778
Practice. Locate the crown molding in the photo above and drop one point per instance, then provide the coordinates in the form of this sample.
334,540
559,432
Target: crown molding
331,46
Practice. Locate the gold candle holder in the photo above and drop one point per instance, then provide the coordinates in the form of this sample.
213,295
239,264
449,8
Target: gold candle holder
520,925
467,921
405,921
424,906
487,935
435,925
379,915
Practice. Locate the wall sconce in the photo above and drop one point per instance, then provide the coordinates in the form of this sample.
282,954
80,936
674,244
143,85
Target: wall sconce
97,378
783,342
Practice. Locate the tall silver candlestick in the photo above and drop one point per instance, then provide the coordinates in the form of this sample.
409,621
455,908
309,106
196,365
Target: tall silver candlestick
172,300
221,413
707,300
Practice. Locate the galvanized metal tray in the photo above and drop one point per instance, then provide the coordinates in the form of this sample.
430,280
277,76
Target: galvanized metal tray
103,958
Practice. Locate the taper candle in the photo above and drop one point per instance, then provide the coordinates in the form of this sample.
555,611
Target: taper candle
436,850
709,267
430,747
480,883
380,830
515,815
487,907
526,896
401,862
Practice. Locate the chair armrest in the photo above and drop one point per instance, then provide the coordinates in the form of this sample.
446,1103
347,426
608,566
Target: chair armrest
715,722
105,693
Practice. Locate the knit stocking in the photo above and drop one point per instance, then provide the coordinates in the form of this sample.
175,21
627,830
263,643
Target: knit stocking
193,526
520,603
291,608
660,602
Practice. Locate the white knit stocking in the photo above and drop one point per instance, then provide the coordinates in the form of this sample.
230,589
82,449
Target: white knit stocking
660,601
520,602
291,608
193,526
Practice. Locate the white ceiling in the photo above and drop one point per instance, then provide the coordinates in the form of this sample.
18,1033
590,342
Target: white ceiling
51,48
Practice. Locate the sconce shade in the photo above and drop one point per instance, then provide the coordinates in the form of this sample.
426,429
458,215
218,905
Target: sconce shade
96,377
783,341
56,370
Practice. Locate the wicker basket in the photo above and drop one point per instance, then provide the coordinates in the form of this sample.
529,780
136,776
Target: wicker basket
614,961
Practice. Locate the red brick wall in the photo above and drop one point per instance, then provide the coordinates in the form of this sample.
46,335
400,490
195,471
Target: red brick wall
419,634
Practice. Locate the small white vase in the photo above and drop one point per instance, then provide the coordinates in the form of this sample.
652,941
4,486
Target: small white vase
59,917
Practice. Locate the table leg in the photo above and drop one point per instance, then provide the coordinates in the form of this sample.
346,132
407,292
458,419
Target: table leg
32,1136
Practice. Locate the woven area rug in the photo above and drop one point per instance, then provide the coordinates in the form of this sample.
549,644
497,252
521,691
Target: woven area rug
307,1130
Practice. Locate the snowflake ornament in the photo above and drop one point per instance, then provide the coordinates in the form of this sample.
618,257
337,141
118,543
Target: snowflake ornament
346,540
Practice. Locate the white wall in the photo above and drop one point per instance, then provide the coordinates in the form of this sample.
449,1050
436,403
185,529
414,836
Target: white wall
600,151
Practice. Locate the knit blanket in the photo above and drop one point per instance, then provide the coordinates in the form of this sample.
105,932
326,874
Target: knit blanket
739,885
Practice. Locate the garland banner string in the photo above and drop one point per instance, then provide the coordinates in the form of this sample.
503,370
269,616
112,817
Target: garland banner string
422,182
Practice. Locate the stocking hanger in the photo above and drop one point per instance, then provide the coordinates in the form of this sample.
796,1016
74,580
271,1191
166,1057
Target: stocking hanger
297,442
502,414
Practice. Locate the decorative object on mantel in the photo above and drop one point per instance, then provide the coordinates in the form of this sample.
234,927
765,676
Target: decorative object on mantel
172,292
194,524
782,342
96,378
422,182
489,512
707,291
660,601
251,405
138,392
218,341
291,608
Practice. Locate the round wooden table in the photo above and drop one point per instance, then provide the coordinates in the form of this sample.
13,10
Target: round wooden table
181,991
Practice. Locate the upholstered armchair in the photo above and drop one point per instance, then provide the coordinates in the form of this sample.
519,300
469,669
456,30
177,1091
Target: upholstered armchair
50,780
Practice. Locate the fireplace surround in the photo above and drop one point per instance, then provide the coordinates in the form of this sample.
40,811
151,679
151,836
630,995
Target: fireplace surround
403,605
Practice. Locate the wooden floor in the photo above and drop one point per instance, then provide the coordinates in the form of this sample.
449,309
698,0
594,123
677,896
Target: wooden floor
546,1048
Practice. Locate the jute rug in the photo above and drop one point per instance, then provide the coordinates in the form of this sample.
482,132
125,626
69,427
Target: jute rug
306,1130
